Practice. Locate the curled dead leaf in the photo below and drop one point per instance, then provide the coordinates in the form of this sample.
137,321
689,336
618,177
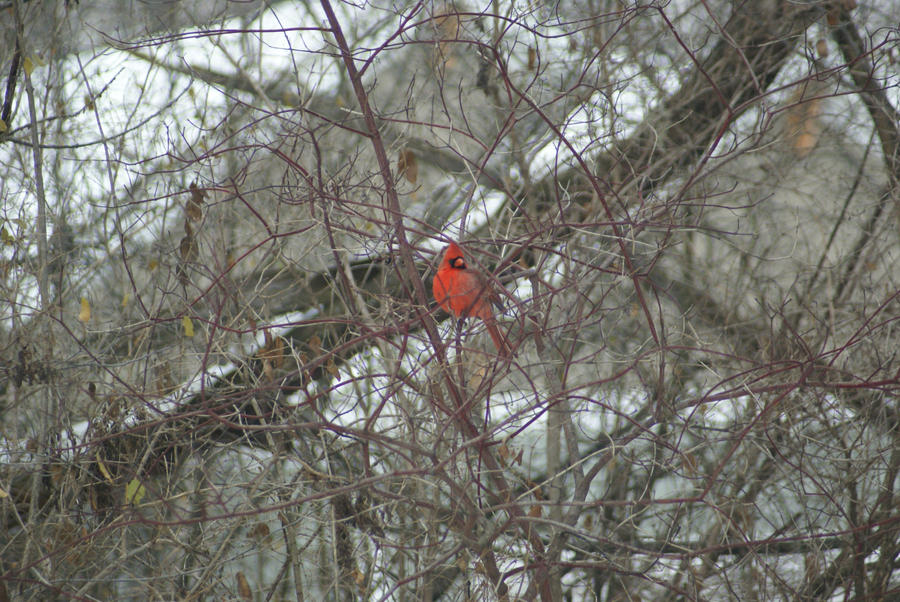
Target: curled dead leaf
243,587
193,208
407,166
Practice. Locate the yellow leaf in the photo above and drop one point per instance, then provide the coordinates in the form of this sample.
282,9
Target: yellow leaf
84,314
188,326
104,470
152,265
125,299
134,492
28,65
3,493
3,126
6,237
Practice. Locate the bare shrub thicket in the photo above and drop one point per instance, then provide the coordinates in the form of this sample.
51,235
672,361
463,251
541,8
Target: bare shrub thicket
223,375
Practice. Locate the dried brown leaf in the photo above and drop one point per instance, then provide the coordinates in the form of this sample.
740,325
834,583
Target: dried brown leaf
193,208
408,166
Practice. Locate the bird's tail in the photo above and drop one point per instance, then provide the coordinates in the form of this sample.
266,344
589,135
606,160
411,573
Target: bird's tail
500,340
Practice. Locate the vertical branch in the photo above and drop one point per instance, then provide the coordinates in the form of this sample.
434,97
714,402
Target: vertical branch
6,113
555,419
413,280
290,540
872,92
885,118
394,214
43,428
38,164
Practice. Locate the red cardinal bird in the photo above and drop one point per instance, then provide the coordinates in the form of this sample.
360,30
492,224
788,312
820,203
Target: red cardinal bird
464,291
